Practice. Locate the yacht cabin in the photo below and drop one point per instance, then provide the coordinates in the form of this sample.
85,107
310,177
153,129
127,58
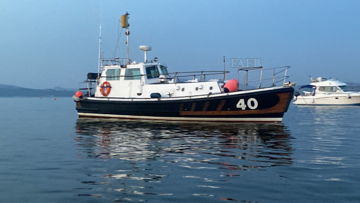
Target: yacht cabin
325,86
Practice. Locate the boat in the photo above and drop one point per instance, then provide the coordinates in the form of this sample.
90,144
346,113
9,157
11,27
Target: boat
126,89
323,91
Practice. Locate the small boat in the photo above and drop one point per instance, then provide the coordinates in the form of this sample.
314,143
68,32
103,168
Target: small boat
322,91
126,89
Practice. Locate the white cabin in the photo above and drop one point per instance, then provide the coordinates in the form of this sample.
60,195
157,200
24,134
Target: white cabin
325,86
150,79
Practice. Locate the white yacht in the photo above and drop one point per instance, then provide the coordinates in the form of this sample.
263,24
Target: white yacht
322,91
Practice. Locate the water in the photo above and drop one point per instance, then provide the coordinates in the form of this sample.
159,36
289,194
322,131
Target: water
48,155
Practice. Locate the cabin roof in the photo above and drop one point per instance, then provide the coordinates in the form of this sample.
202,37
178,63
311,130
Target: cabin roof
328,83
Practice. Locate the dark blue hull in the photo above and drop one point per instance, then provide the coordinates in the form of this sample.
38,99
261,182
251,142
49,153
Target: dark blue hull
258,105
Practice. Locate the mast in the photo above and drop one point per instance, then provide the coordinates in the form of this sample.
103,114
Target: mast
100,39
124,24
99,54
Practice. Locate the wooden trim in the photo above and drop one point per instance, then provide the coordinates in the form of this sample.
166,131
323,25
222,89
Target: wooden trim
181,107
206,106
280,107
220,106
193,106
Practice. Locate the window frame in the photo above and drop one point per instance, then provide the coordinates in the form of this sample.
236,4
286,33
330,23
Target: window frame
113,74
328,89
152,75
132,76
162,68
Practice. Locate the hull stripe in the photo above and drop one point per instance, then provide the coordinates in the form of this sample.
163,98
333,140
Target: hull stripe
98,115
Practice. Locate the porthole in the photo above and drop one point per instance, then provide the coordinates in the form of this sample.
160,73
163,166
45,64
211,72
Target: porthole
182,89
210,87
196,88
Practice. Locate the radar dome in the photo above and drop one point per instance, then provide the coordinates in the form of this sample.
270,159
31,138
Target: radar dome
145,48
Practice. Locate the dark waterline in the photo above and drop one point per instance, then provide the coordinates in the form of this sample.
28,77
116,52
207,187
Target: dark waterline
48,155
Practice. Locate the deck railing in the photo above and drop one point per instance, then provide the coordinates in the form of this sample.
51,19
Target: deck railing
115,61
256,76
253,73
261,77
175,77
195,75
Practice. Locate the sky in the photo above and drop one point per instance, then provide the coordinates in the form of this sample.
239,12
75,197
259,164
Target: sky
54,43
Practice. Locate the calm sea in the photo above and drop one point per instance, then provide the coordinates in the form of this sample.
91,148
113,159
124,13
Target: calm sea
48,155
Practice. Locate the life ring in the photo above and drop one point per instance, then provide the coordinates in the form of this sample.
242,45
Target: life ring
105,88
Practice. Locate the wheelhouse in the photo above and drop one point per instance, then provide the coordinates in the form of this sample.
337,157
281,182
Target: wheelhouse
141,80
149,73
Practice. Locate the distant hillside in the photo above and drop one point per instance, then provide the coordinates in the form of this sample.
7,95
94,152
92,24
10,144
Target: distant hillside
15,91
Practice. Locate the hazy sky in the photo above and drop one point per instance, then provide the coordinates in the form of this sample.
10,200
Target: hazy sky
48,43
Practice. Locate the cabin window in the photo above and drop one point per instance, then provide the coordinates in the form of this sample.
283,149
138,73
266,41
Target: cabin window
164,70
113,74
328,88
152,72
132,74
348,88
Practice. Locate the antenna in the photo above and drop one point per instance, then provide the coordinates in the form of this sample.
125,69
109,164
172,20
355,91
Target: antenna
124,24
99,56
224,61
100,39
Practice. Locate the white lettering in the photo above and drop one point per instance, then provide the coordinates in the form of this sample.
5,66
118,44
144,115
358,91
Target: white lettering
241,104
251,103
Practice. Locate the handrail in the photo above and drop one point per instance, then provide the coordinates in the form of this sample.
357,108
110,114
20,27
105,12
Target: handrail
274,75
202,74
175,75
268,77
115,61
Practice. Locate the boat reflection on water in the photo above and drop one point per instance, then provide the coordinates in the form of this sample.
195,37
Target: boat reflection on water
128,140
147,158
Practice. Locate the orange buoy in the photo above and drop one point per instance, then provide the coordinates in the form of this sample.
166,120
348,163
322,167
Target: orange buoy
79,94
105,88
231,86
